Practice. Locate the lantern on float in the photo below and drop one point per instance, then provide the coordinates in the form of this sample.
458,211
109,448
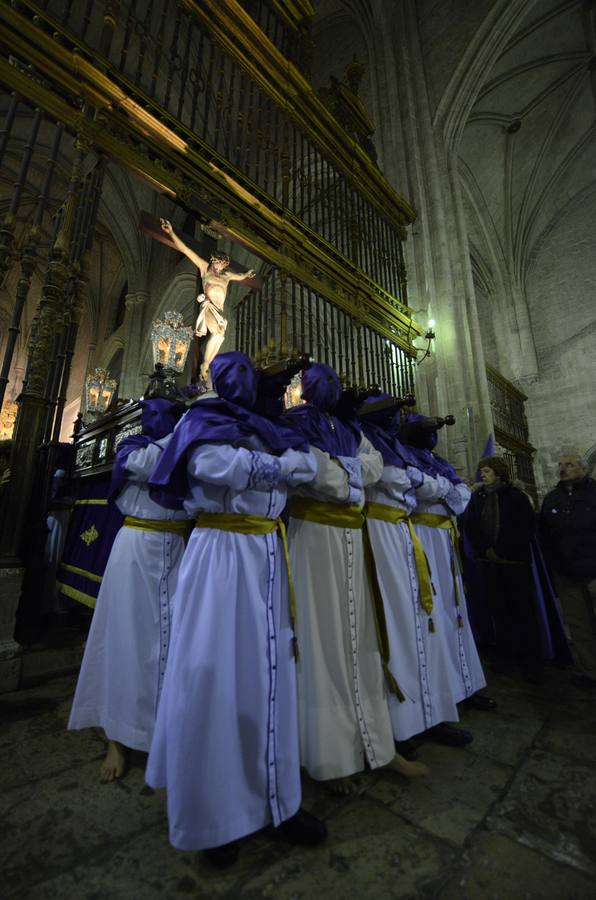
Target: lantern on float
99,391
170,341
293,394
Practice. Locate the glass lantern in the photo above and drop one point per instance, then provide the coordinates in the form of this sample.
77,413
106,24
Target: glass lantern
99,391
171,340
293,395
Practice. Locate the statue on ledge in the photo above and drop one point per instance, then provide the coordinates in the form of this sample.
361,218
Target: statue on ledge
342,99
216,279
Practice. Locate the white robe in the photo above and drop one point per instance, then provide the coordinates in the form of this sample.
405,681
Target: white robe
344,715
418,660
125,655
439,496
226,739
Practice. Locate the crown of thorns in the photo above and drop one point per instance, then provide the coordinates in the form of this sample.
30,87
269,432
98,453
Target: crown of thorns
220,257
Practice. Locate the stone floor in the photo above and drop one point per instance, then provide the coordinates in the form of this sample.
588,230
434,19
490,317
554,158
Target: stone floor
511,817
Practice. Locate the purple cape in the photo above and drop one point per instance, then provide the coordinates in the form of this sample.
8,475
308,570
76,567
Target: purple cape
393,453
427,460
314,421
381,430
158,418
227,419
432,464
553,640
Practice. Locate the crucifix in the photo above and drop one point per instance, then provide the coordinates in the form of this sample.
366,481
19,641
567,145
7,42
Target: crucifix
216,270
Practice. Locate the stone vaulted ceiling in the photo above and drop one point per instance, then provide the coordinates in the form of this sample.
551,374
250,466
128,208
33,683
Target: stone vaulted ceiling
528,149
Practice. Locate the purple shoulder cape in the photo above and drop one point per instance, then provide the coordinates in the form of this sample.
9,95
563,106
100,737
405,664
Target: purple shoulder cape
213,421
324,430
393,453
432,464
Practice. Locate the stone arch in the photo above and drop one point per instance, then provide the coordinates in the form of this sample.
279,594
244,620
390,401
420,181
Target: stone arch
110,350
479,58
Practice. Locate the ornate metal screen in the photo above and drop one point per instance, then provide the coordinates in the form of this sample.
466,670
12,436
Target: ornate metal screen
511,427
288,317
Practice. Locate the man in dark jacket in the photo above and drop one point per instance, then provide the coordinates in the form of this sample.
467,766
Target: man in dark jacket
568,528
499,524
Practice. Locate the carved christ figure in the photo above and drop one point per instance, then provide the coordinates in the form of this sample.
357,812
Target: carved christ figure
215,279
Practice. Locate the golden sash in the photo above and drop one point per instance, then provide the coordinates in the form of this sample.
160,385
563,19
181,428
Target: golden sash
246,524
337,515
393,514
173,526
436,520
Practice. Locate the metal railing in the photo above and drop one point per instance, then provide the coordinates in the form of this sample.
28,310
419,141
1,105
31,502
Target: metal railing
165,54
287,318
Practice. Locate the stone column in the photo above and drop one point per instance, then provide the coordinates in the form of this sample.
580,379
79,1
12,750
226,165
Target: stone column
133,381
91,348
29,424
28,261
453,379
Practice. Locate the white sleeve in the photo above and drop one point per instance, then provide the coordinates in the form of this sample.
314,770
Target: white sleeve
372,462
235,467
298,467
395,482
433,488
331,479
458,498
140,463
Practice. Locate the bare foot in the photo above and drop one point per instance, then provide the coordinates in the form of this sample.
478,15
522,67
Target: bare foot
114,765
345,787
406,768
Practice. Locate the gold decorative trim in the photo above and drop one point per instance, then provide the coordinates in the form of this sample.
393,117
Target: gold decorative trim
81,596
338,280
122,121
76,571
238,34
91,502
294,12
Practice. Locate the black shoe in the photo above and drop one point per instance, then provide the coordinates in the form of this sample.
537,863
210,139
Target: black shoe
584,682
407,749
223,857
448,735
480,701
303,828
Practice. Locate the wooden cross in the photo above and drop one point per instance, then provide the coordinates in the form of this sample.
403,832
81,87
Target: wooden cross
148,224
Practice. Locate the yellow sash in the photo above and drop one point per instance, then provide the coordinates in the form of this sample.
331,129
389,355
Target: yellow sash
436,520
393,514
173,526
246,524
337,515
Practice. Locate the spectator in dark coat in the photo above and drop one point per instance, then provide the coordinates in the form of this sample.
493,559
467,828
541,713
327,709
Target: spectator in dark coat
500,524
568,531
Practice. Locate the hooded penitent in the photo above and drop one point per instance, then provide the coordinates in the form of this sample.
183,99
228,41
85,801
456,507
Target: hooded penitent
158,419
422,443
227,418
381,428
314,420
